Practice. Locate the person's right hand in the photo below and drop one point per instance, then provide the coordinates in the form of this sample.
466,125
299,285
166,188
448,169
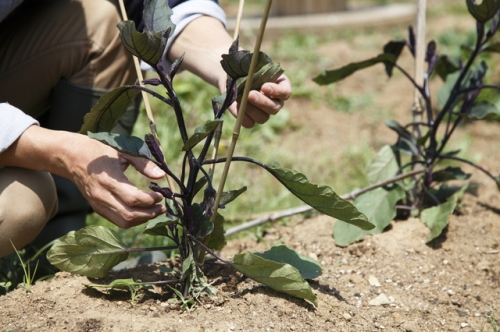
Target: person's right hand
99,174
97,170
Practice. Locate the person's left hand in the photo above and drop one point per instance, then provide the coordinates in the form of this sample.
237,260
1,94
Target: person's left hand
266,102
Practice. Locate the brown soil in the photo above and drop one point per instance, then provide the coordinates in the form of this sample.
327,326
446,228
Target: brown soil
453,284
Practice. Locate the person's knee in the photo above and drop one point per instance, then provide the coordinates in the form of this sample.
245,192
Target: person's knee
28,200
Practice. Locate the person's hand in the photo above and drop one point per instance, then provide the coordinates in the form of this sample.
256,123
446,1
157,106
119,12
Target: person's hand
95,168
98,173
266,102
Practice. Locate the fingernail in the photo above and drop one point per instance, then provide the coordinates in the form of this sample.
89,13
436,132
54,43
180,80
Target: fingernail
268,90
158,172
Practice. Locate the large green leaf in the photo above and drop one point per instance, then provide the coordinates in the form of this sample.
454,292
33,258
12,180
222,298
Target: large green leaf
127,144
200,133
485,10
278,276
108,110
308,268
437,217
384,166
91,251
320,197
332,76
379,206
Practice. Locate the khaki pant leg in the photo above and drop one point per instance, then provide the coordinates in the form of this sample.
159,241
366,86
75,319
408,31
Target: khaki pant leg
43,42
27,201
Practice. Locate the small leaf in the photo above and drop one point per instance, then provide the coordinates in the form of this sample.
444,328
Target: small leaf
269,73
200,134
157,15
482,110
147,46
322,198
332,76
92,251
484,11
278,276
237,64
108,110
437,217
118,283
158,226
196,282
450,173
445,66
394,47
126,144
229,196
384,166
217,239
308,268
379,206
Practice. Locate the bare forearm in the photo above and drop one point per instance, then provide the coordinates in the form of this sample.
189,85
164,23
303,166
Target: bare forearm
203,41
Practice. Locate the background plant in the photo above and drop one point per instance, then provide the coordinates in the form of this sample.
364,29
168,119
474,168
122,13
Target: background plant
194,228
423,146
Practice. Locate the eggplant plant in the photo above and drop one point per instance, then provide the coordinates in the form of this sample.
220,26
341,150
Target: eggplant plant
419,149
192,223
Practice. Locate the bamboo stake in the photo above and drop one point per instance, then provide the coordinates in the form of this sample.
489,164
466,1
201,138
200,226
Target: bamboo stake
239,119
243,105
149,112
418,103
218,131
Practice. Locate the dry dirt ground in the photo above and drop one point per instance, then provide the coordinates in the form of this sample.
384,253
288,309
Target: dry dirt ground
391,281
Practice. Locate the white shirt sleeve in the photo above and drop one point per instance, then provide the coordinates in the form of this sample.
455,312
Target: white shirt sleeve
13,122
188,11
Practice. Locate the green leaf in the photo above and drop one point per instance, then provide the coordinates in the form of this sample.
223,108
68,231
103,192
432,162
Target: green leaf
278,276
237,64
445,66
484,11
482,110
217,239
158,226
322,198
497,180
493,47
394,47
379,206
157,15
127,144
147,46
269,73
108,110
450,173
196,282
200,133
308,268
384,166
91,251
229,196
437,217
118,283
332,76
